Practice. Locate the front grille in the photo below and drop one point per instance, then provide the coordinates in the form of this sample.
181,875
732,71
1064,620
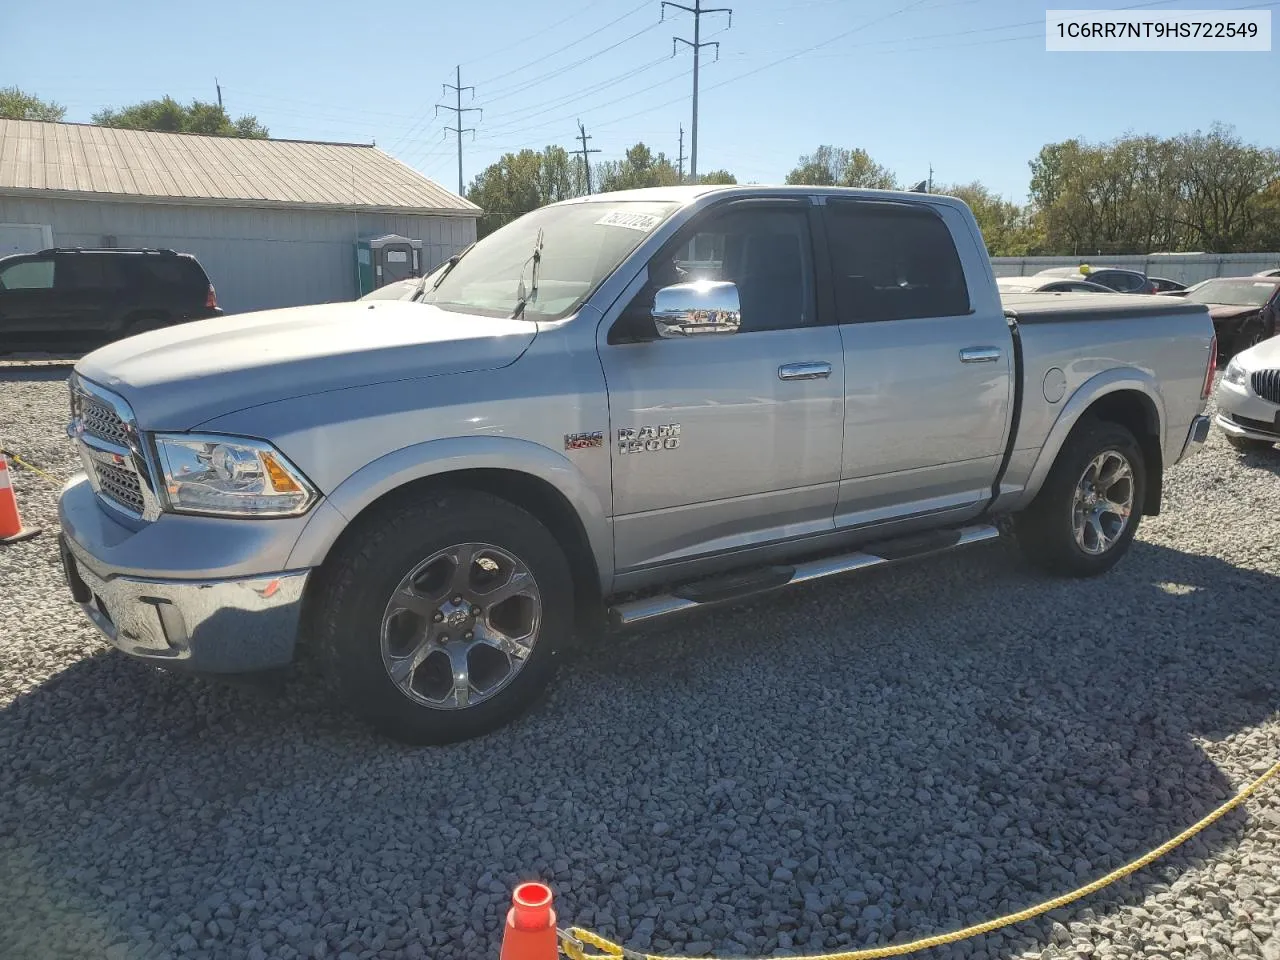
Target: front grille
1266,384
104,418
103,422
121,485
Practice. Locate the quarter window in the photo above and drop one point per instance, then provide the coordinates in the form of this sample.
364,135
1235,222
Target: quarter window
28,275
893,261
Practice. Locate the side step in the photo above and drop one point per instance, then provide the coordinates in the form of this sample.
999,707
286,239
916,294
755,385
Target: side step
736,586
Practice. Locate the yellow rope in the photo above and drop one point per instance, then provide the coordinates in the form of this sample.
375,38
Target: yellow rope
574,938
22,463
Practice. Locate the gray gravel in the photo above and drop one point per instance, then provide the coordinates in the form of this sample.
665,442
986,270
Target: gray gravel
849,764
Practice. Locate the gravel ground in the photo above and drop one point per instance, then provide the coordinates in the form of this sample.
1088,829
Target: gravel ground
848,764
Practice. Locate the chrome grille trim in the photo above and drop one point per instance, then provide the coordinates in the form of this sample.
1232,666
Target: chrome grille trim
110,446
1266,384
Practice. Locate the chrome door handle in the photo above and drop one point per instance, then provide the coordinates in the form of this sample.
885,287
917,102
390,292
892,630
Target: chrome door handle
815,370
980,355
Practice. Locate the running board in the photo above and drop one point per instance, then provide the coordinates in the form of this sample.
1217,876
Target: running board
737,586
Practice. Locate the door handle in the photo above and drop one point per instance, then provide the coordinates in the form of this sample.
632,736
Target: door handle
979,354
813,370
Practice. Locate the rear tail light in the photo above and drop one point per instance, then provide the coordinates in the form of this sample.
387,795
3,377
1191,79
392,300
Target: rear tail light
211,298
1211,369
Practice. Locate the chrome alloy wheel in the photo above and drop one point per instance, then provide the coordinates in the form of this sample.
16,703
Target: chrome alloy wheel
460,626
1103,502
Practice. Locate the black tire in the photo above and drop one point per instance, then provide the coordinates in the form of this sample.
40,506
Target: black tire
1046,529
369,566
1249,444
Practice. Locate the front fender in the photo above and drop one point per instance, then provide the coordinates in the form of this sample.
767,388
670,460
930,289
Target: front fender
448,455
1088,393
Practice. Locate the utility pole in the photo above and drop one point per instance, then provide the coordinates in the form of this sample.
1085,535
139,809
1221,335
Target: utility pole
930,178
586,164
696,45
218,87
680,160
457,112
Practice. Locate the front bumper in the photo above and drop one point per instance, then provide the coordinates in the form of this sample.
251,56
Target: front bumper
207,624
1242,413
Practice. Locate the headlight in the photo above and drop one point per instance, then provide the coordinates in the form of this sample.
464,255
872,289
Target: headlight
230,476
1234,374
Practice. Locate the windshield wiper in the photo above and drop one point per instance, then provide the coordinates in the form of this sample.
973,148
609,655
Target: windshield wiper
523,297
448,265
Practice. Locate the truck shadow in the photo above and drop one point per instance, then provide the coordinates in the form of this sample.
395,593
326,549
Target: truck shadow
838,759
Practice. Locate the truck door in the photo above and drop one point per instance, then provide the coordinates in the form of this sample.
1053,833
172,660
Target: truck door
928,374
722,441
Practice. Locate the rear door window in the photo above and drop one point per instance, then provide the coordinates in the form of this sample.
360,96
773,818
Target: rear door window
893,261
28,275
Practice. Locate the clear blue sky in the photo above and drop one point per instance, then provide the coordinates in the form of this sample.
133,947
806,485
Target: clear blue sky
964,84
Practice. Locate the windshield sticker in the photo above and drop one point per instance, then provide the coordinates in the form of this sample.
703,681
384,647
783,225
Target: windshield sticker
644,222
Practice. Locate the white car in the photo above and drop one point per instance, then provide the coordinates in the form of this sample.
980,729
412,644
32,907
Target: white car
1249,397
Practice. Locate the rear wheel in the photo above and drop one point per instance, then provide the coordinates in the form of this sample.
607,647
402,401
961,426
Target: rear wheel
443,619
1086,515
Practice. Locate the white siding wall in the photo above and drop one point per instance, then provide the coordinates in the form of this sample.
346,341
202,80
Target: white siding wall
257,258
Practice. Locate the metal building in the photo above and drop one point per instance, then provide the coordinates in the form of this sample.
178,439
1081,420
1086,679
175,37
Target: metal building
274,222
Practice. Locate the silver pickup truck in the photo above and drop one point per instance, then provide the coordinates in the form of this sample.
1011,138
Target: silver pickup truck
614,409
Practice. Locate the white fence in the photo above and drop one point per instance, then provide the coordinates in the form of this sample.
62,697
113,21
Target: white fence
1183,267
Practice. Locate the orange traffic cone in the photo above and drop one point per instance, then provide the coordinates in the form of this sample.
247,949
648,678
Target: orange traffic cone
530,933
11,528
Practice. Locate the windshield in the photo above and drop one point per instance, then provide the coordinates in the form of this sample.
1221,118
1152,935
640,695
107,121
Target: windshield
582,243
1244,292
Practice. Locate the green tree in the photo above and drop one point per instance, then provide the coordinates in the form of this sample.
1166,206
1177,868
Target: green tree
640,167
15,104
722,177
524,181
167,115
830,166
1005,225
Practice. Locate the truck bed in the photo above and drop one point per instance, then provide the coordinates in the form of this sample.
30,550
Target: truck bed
1077,307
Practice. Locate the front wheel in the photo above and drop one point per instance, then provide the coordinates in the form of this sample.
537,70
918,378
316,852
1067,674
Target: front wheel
442,619
1086,515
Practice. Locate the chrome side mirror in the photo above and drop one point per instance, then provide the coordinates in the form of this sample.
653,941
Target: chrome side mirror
693,309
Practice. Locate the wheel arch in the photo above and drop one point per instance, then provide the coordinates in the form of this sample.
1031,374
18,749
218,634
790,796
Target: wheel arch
534,478
1128,397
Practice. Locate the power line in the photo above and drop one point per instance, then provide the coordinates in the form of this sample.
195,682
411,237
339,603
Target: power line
696,46
507,92
586,164
458,111
554,105
542,58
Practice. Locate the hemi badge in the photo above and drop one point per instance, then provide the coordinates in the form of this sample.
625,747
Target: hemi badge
584,441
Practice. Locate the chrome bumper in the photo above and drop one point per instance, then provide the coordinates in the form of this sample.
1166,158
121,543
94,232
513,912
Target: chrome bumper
1234,429
219,615
1196,437
209,626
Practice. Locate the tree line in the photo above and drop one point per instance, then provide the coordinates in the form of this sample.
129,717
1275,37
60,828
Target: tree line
1206,192
166,115
1203,191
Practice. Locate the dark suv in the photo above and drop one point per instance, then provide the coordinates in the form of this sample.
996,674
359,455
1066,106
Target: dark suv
68,300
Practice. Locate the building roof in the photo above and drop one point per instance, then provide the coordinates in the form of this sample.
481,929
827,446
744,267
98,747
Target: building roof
88,161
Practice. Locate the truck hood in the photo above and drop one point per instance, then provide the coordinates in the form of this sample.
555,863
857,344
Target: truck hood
179,377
